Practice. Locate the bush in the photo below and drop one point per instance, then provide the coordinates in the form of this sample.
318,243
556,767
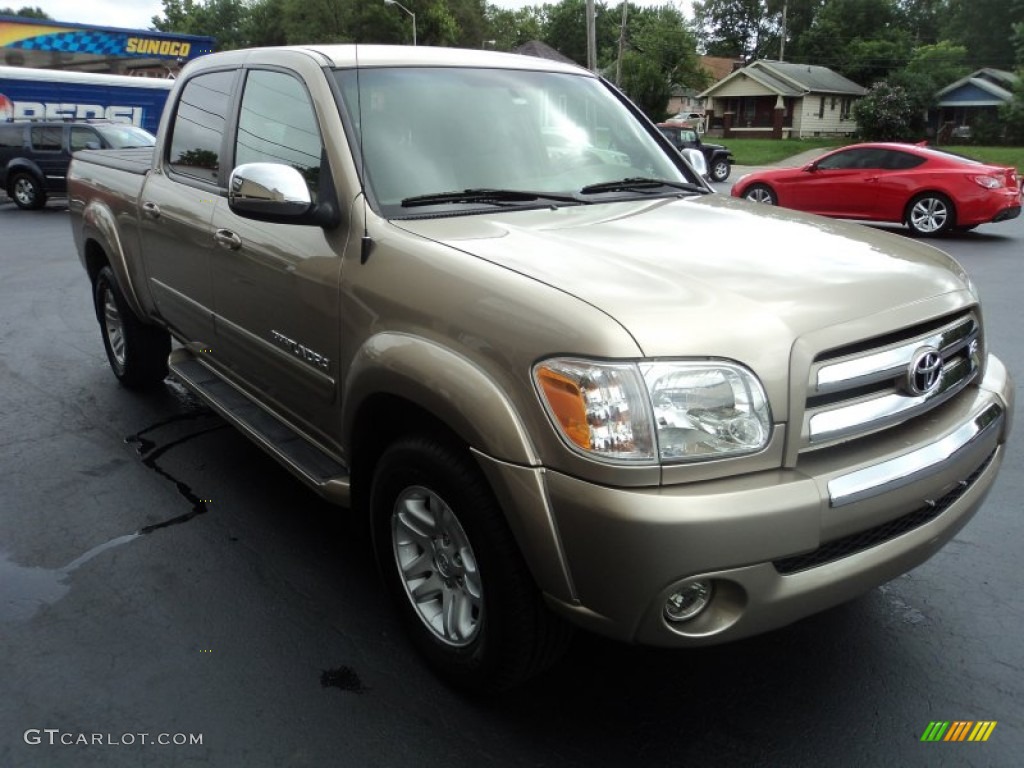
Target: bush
886,113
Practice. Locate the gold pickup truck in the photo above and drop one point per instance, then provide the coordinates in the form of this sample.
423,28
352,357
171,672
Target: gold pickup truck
479,299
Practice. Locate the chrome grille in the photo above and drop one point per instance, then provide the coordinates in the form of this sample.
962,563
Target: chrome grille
863,389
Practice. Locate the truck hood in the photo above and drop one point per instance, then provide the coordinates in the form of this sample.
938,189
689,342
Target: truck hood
720,266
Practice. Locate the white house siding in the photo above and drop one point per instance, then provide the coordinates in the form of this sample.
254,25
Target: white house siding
806,122
743,86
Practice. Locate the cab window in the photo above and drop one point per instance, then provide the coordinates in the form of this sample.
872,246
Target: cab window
84,138
199,125
277,124
47,138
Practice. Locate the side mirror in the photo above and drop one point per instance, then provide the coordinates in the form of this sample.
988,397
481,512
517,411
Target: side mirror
92,145
811,167
696,158
276,193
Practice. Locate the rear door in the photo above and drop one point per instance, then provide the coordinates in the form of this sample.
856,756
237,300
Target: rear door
49,153
177,205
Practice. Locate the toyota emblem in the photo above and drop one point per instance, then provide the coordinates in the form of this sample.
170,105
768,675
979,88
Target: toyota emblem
924,372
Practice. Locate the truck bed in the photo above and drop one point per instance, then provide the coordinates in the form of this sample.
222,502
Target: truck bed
137,161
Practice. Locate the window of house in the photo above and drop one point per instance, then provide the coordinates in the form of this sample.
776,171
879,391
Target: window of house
821,108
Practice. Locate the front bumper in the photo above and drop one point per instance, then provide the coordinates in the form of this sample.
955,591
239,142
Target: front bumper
758,537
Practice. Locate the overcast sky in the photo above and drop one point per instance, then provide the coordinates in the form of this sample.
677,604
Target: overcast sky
136,14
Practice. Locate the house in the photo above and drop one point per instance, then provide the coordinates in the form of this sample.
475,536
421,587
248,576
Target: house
970,99
775,99
685,100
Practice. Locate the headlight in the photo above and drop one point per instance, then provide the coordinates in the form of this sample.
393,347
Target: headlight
637,412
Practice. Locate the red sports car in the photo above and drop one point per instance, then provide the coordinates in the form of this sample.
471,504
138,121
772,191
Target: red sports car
929,190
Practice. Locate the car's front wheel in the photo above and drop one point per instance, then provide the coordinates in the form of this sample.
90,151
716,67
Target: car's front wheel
720,170
137,352
450,561
27,192
930,214
761,193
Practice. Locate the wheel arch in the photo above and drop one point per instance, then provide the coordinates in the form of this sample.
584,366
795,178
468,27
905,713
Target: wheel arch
930,191
23,165
399,368
102,246
389,394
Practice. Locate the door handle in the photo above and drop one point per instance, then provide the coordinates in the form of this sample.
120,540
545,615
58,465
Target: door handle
227,239
151,210
871,178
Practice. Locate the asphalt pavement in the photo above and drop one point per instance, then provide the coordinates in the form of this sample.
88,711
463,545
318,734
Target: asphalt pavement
162,580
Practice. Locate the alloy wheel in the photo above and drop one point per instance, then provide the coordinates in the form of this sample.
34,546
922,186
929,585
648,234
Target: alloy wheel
437,566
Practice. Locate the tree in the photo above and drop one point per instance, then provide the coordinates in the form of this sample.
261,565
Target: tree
861,39
985,28
664,36
747,29
26,13
565,30
1012,115
511,28
263,24
224,20
645,84
885,113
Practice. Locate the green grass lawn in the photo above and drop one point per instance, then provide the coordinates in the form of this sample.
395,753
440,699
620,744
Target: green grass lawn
769,151
1012,156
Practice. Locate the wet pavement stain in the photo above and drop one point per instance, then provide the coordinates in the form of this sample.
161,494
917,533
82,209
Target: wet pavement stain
150,451
344,678
24,590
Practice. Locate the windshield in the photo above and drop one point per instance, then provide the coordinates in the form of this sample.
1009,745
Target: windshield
428,131
125,136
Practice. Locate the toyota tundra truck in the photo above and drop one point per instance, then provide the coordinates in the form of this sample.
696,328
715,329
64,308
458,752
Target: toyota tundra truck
480,299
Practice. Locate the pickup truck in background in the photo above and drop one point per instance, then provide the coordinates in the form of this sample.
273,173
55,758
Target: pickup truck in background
479,299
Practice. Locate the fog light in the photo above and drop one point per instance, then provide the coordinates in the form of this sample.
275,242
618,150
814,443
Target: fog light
689,601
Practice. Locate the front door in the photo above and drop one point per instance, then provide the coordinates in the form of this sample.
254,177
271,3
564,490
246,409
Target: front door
276,286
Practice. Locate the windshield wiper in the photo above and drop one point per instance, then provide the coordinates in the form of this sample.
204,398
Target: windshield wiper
492,196
640,183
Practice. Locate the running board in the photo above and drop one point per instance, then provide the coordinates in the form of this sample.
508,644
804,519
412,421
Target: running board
302,458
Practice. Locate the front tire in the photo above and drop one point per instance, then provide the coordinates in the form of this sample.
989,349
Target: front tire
27,192
451,564
761,193
720,170
930,214
137,352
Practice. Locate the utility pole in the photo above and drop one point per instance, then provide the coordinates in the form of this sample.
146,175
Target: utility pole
782,42
591,38
622,44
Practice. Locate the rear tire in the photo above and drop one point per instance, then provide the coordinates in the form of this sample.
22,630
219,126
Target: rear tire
930,214
452,566
26,191
761,193
137,352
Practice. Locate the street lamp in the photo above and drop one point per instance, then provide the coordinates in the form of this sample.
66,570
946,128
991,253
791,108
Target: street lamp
395,2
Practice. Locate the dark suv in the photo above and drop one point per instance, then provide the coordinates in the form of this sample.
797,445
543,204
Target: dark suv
717,157
34,155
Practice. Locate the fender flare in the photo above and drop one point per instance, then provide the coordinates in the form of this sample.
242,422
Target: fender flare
23,165
442,382
99,225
